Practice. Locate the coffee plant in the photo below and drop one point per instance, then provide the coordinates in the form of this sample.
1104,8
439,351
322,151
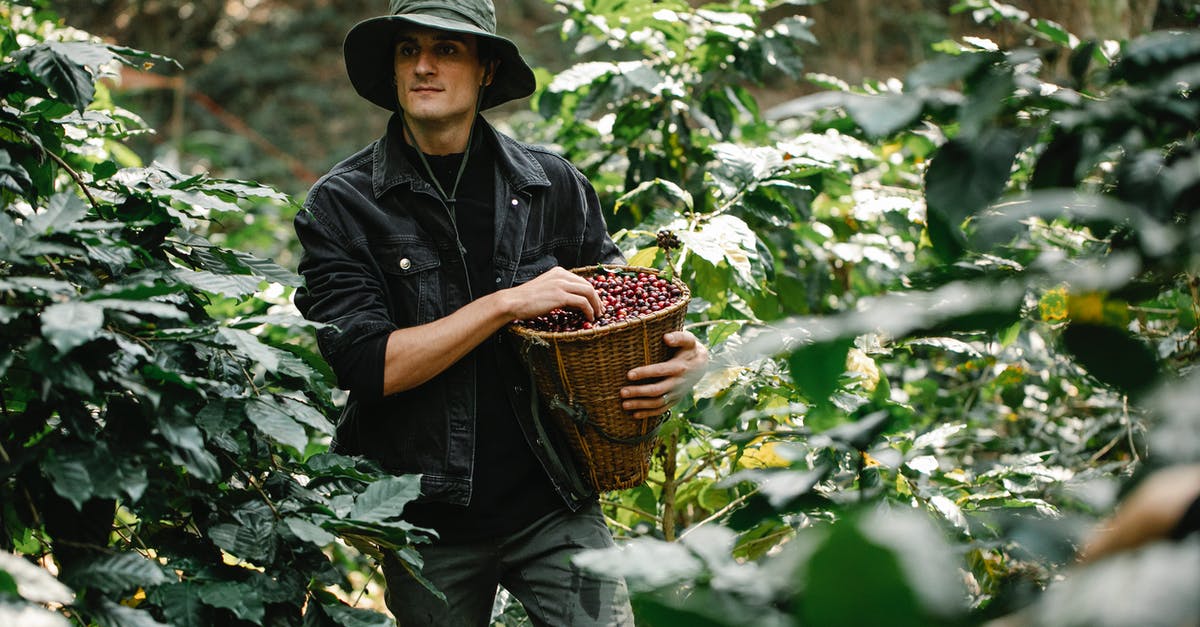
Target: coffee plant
953,317
163,414
952,314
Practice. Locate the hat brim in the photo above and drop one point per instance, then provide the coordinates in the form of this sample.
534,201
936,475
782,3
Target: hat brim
369,55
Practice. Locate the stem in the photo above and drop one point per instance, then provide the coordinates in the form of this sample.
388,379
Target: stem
53,266
635,510
363,592
250,479
615,523
721,512
1129,427
66,166
668,488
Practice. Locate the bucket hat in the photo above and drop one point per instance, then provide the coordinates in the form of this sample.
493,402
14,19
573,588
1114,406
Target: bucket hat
369,48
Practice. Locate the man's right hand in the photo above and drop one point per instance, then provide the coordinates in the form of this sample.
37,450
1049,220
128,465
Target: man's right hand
555,288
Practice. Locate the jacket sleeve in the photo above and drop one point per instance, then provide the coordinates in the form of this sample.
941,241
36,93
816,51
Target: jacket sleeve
597,246
342,289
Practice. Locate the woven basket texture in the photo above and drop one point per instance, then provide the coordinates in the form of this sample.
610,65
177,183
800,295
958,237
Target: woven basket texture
580,374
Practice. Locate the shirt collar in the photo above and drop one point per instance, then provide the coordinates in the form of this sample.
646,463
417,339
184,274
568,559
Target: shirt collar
391,167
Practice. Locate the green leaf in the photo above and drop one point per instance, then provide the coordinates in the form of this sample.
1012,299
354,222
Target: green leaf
248,345
232,285
274,421
27,615
1112,355
68,325
269,270
1155,53
645,563
881,116
385,499
869,571
1057,166
53,65
118,573
782,488
113,614
859,435
69,476
180,603
945,70
658,193
189,448
34,583
252,537
816,368
13,176
309,532
306,414
59,216
964,178
243,600
725,239
347,616
146,307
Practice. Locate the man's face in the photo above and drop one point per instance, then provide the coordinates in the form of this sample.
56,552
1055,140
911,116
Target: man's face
438,75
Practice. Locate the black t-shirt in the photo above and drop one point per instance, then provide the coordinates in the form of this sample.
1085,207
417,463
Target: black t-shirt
509,487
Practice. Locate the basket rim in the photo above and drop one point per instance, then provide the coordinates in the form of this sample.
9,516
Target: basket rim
685,297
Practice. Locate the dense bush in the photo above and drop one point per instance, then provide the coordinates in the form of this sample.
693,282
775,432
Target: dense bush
953,315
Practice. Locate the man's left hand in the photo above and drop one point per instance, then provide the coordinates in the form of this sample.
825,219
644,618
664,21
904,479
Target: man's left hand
672,379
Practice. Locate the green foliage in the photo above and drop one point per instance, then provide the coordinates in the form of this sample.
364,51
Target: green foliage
944,306
950,314
164,412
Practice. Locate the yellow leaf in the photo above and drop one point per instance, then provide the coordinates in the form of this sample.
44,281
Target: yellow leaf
1052,306
136,599
644,258
764,456
1086,308
715,381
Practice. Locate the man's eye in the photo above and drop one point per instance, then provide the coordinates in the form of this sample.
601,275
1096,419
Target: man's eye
448,49
407,51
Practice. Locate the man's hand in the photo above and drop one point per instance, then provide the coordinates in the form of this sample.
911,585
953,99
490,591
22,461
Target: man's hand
555,288
672,378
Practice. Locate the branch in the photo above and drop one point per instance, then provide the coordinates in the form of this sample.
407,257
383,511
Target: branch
721,512
635,510
64,165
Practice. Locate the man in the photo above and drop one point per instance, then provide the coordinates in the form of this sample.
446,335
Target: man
418,251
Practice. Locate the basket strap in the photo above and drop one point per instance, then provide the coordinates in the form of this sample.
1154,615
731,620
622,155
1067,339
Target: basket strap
646,360
562,373
580,417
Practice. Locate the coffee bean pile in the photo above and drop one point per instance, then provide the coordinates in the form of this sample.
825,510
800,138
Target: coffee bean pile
624,294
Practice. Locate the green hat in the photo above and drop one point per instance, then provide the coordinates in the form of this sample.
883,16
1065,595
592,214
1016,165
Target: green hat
369,48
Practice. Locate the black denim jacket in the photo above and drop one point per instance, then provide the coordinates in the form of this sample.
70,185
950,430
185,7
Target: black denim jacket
381,253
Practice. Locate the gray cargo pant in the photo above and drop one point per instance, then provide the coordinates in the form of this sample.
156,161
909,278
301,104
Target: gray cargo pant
533,564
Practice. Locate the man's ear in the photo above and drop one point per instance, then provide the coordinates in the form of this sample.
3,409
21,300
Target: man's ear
489,72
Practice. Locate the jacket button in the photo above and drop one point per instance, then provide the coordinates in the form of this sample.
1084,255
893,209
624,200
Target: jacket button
514,202
405,264
498,279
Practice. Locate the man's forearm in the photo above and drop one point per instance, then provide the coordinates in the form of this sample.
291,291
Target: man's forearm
417,354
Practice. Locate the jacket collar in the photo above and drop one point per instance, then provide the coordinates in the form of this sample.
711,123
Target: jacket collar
390,167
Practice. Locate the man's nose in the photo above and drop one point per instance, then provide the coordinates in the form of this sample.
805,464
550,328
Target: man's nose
426,64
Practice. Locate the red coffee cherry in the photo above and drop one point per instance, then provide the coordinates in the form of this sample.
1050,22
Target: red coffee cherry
625,295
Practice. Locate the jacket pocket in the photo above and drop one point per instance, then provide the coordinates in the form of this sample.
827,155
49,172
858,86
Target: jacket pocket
414,281
529,268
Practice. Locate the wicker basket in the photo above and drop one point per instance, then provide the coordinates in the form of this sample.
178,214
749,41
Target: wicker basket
580,374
